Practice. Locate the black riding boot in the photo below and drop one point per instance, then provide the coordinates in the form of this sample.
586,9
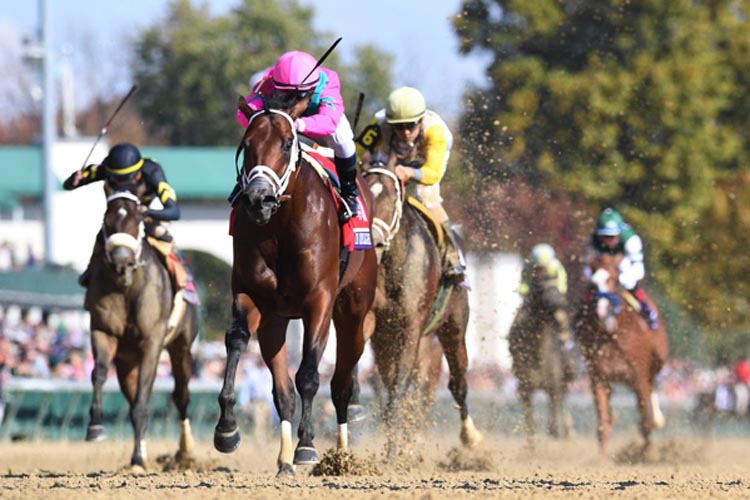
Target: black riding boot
346,168
456,263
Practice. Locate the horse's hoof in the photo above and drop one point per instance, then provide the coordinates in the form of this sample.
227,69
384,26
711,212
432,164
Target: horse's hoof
227,442
137,470
305,455
471,439
96,433
355,413
285,470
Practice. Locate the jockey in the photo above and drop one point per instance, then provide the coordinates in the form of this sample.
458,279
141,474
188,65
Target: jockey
124,169
613,236
295,77
544,277
421,143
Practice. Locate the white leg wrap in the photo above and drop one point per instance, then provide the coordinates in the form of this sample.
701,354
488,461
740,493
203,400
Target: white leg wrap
286,451
343,436
658,416
186,437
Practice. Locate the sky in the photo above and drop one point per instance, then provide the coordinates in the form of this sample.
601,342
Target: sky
426,58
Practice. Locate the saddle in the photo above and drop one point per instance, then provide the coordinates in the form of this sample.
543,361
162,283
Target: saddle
436,229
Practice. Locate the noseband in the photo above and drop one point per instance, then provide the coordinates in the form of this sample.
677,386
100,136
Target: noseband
279,183
385,230
124,239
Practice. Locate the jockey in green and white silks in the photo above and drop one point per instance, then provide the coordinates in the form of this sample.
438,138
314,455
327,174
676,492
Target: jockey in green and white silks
613,236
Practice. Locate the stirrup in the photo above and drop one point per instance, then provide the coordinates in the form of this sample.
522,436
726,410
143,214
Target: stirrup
347,212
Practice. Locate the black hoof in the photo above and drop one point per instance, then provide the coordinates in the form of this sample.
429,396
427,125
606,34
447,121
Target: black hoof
96,433
305,455
285,470
227,442
355,413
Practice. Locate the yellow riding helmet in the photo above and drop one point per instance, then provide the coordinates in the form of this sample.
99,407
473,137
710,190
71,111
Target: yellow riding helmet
405,105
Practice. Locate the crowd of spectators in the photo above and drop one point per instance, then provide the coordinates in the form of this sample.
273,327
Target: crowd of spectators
55,346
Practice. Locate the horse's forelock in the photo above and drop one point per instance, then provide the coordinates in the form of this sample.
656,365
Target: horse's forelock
121,213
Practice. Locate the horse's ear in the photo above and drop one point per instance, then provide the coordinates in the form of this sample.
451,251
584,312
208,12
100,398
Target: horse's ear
243,106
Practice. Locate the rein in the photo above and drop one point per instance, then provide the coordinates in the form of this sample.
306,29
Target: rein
388,231
265,172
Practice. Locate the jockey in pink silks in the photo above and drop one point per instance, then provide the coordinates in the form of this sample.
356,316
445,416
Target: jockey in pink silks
293,78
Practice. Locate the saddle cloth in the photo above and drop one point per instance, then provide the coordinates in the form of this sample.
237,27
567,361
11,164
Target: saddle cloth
355,234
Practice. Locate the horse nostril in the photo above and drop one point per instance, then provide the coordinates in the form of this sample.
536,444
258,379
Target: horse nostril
270,200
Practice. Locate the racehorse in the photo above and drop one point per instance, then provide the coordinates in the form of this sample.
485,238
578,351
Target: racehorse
537,365
619,346
130,299
287,246
410,286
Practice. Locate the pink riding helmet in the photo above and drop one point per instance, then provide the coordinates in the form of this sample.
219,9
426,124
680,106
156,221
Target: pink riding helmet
292,69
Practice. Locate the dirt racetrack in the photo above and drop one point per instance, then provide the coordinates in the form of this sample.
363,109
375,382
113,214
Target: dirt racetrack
502,468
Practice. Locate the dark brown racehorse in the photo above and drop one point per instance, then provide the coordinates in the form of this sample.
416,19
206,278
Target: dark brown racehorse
619,347
537,364
409,282
287,243
130,300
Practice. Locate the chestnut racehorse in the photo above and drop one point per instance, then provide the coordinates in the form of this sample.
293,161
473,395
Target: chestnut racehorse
619,346
410,334
130,299
287,243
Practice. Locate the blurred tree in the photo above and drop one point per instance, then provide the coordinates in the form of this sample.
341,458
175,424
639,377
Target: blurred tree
639,104
192,66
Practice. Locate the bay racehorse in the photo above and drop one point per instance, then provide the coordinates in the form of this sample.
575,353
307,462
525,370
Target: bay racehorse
287,247
418,315
537,358
619,346
130,299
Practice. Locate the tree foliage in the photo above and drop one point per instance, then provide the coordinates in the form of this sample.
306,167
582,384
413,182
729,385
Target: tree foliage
192,66
637,104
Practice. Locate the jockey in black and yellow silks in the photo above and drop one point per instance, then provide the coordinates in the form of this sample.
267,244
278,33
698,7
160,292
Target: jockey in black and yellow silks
124,169
421,143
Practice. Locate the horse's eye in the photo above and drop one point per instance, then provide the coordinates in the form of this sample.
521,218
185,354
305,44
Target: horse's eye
286,145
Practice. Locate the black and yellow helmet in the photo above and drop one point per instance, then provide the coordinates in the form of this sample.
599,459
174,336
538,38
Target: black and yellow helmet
123,162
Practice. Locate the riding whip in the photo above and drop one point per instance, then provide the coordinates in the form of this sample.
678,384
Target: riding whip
357,112
322,58
105,128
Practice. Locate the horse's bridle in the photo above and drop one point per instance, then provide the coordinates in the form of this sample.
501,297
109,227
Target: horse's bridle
124,239
385,230
281,183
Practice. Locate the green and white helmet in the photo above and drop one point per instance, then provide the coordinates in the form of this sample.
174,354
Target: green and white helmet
542,254
609,223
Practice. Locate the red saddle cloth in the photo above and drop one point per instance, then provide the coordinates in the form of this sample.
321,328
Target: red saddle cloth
355,233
